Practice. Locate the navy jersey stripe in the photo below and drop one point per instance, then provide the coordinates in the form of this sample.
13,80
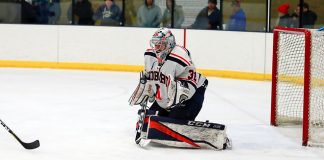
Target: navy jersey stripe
177,61
193,84
149,54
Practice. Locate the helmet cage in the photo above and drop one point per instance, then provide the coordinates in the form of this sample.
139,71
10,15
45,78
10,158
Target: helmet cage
160,49
158,45
162,43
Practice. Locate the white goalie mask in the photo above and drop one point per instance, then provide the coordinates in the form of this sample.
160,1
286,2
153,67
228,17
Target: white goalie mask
162,43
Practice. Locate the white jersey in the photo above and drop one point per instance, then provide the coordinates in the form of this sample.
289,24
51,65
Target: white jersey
179,65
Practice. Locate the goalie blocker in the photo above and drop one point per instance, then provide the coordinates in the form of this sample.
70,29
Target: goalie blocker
183,133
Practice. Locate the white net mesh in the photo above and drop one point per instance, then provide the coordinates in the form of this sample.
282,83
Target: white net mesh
290,89
316,109
290,83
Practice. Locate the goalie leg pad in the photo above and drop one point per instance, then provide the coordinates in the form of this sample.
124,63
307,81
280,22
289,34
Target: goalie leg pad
189,134
142,125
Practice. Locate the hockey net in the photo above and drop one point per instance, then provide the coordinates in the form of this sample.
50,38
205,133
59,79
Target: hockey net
298,82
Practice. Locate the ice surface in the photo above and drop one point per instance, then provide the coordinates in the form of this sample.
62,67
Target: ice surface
84,115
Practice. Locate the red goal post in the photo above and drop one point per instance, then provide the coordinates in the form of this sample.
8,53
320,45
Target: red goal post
298,82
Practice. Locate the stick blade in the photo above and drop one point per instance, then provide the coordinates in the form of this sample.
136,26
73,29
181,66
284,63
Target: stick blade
32,145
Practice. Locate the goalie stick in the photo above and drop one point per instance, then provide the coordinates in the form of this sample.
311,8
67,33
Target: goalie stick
31,145
140,124
140,139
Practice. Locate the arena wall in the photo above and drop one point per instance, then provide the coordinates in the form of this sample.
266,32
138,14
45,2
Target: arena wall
243,55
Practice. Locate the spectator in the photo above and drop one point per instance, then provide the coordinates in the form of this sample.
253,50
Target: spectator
149,15
209,17
130,14
308,19
108,14
294,20
28,13
42,11
54,12
284,17
82,12
178,15
10,11
237,20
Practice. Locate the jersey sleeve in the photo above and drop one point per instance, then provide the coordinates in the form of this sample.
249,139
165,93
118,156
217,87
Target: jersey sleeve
188,75
185,71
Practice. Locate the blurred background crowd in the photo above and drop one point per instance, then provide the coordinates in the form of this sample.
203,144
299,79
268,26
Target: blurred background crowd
232,15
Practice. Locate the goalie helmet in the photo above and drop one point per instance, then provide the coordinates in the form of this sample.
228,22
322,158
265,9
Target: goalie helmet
162,43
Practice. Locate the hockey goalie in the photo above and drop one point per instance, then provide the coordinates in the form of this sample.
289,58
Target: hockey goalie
171,94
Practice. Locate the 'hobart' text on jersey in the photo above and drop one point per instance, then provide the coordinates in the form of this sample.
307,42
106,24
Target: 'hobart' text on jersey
179,65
